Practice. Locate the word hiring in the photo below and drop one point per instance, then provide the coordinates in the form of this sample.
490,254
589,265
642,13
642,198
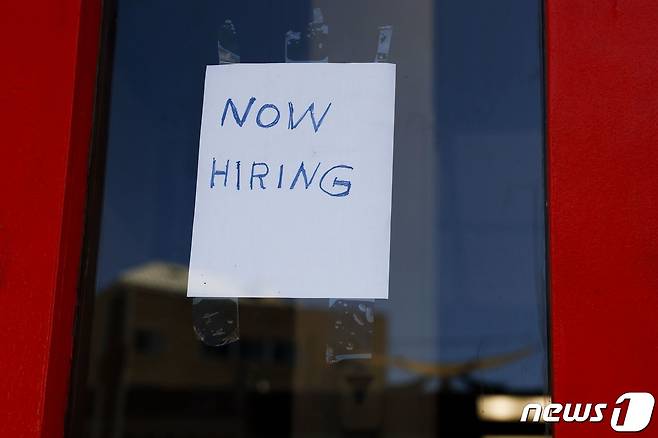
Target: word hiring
259,177
268,115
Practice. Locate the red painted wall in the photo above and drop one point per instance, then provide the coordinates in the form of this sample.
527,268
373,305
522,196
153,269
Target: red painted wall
603,204
49,50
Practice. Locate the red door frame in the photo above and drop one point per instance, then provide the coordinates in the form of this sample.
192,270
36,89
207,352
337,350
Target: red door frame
48,75
602,101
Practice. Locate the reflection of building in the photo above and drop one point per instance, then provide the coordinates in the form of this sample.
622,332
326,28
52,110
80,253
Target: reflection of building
150,376
144,362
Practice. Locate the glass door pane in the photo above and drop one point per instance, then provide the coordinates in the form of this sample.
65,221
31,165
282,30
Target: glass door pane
458,348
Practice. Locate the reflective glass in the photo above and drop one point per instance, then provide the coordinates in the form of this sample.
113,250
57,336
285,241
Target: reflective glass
461,343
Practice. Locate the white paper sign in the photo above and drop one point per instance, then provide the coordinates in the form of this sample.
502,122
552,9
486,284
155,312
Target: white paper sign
293,195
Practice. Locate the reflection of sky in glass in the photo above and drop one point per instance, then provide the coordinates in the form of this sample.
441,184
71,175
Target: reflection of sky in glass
467,263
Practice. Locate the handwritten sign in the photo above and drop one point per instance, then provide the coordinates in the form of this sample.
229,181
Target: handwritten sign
293,195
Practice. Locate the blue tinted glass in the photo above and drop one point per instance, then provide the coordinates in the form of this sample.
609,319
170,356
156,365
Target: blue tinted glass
462,336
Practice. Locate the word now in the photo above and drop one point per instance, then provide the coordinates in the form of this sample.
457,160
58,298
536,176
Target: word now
259,173
269,114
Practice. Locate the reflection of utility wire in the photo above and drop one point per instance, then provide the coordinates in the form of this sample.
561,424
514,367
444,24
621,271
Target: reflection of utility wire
454,369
